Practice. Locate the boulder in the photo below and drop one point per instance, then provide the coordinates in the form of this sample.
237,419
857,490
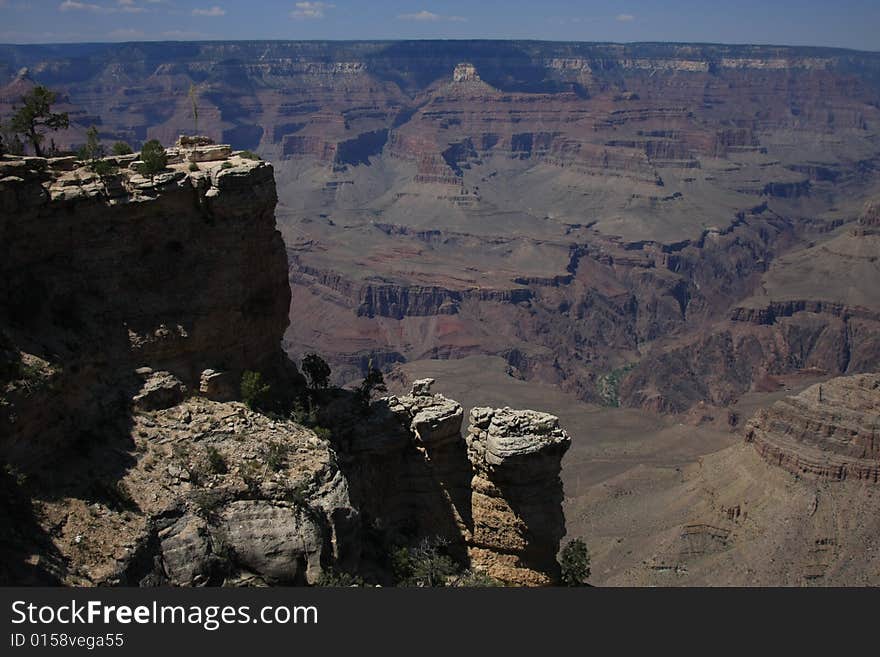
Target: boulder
215,153
281,543
160,390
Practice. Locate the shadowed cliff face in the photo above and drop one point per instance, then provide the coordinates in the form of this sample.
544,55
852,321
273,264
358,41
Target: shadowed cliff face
102,276
130,308
104,279
574,208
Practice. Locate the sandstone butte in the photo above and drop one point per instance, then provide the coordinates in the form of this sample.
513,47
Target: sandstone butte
830,430
132,305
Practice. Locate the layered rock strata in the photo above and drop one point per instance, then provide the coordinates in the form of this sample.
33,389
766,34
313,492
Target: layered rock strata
516,494
830,430
507,504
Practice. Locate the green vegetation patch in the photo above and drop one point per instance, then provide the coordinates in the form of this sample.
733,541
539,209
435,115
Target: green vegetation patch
608,385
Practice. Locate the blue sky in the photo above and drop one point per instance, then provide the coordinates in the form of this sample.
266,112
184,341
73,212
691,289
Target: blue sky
847,23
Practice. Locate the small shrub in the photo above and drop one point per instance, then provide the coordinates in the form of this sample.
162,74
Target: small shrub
249,155
252,475
276,456
193,166
115,495
216,461
424,565
154,158
102,167
575,563
299,414
121,148
474,579
254,391
323,433
206,501
226,165
332,578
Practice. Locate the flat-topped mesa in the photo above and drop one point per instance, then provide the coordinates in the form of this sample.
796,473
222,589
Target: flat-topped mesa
466,83
517,494
827,431
465,72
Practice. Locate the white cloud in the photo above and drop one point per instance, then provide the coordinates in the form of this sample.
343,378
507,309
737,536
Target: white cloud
213,11
126,6
310,10
71,5
625,18
427,16
125,34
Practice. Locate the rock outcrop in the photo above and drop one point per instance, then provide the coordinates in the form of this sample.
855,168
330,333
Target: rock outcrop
829,431
517,494
102,275
131,305
213,493
509,510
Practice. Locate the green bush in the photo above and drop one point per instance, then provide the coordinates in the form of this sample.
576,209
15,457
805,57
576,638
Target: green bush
102,167
226,165
575,563
154,158
323,433
216,461
474,579
121,148
249,155
333,578
254,392
193,166
424,565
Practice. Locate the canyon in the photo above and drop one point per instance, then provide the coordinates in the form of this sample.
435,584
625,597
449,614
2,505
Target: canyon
577,209
659,244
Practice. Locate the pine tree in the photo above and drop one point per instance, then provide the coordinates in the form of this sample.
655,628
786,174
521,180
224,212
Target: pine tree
36,116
